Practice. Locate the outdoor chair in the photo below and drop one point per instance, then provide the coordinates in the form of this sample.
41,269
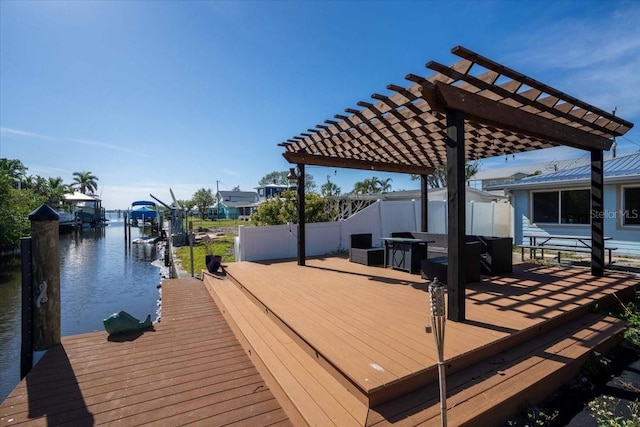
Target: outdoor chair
437,267
361,250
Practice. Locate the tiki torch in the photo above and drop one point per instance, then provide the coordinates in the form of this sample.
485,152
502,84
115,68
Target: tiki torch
438,319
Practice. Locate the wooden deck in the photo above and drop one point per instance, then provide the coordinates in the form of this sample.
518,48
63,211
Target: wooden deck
346,327
332,343
190,369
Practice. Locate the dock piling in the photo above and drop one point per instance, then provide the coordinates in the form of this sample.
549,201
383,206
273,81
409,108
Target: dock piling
45,277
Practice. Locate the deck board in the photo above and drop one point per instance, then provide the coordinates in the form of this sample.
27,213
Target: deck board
189,369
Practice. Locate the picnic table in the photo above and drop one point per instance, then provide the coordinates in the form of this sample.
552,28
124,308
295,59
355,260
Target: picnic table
560,243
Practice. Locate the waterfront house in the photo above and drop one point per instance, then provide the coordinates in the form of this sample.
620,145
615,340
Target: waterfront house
266,191
233,204
87,208
560,203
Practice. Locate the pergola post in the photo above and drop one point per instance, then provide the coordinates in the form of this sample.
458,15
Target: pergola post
301,219
597,213
424,197
456,278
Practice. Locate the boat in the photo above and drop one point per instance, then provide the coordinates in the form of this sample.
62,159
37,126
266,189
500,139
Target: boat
147,212
66,221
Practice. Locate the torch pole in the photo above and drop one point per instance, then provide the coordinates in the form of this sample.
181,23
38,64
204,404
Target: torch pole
438,320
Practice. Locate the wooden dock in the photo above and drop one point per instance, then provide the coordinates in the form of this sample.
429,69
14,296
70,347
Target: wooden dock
332,343
190,369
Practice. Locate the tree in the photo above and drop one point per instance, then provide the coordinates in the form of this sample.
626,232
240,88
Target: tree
275,177
281,178
438,178
372,186
283,210
329,189
14,168
15,206
202,199
385,185
56,189
85,182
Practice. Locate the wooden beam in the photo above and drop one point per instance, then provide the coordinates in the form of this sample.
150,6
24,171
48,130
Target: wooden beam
302,225
597,213
456,272
483,110
338,162
424,193
511,93
469,55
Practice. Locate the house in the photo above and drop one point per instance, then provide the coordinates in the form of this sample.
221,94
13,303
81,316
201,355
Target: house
86,208
233,205
485,178
266,191
560,203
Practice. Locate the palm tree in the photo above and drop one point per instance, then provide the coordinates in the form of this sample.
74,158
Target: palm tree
329,189
56,189
372,185
85,182
384,185
14,168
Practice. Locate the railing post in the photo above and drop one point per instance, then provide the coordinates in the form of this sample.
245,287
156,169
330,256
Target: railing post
26,343
46,277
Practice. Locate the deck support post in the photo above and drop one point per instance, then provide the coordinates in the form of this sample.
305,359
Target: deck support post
26,342
424,197
597,213
301,219
456,227
46,277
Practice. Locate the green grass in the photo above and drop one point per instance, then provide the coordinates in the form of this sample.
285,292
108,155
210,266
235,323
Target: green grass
207,223
220,246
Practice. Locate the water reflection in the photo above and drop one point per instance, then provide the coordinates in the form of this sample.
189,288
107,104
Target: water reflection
99,275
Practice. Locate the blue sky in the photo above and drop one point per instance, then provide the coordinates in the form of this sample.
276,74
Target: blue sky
153,95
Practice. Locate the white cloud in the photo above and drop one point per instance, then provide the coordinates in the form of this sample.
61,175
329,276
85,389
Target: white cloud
24,133
33,135
595,59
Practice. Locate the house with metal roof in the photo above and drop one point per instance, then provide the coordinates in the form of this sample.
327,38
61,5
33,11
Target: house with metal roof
559,203
485,178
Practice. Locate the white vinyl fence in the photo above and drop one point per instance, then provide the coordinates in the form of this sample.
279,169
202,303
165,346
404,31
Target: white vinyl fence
379,219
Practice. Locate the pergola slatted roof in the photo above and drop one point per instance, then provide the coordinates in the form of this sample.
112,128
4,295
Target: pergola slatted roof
506,113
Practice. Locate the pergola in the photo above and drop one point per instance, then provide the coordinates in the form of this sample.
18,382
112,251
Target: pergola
474,109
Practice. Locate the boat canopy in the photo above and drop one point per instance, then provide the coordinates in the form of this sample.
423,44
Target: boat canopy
143,203
144,213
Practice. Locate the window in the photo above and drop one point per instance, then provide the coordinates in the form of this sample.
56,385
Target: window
631,206
575,207
561,207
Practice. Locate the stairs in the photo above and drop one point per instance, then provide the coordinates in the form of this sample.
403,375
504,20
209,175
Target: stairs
486,393
493,391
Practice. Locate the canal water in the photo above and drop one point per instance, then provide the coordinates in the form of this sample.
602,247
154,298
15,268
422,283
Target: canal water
99,276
